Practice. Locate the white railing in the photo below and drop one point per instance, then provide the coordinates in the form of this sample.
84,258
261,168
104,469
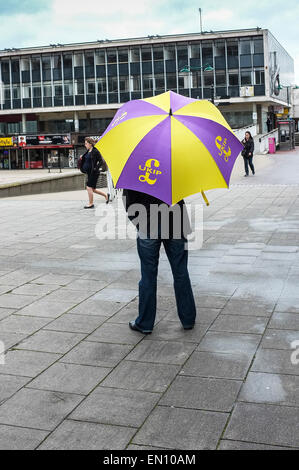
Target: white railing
240,133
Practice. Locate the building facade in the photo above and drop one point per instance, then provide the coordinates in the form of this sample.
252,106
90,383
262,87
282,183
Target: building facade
75,89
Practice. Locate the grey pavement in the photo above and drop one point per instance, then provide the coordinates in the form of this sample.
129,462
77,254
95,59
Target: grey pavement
76,377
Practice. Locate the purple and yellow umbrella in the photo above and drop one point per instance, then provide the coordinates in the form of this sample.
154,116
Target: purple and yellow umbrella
169,146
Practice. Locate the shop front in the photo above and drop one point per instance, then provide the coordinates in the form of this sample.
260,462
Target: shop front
46,151
10,156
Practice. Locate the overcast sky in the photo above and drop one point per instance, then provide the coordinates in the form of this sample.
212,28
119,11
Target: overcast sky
43,22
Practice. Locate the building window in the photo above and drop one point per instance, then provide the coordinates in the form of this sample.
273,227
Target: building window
134,55
78,60
89,59
16,92
136,83
147,81
246,77
208,79
159,83
233,79
100,57
68,88
47,90
79,87
259,76
37,92
245,46
112,85
207,53
158,53
57,61
123,55
258,46
169,51
58,90
67,61
46,62
195,51
146,53
26,91
101,85
196,79
124,83
232,47
111,56
220,79
219,48
91,88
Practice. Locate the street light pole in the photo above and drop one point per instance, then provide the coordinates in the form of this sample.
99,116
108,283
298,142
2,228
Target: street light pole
212,93
200,20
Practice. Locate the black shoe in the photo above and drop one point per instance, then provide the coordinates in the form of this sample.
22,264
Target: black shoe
253,172
108,200
89,207
134,327
245,175
188,327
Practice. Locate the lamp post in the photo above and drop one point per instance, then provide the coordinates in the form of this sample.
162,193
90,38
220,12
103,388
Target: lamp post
205,68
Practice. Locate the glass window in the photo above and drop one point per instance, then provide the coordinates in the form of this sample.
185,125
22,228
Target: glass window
136,83
47,90
158,53
25,64
67,61
207,53
147,81
112,85
57,61
68,88
101,85
258,46
89,59
46,62
58,90
79,87
159,82
78,60
6,92
182,51
91,88
208,78
37,92
146,53
245,46
16,92
259,77
220,79
169,52
124,83
111,56
5,66
196,80
15,66
232,47
100,57
35,63
195,51
122,55
26,91
219,48
246,78
171,81
233,78
134,55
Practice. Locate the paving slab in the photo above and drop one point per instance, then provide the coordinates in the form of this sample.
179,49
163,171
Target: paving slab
265,424
283,320
279,339
70,378
215,364
133,375
20,438
271,388
226,444
97,354
177,428
10,384
44,308
202,393
223,342
112,333
76,323
37,409
51,341
117,407
240,324
16,301
74,435
162,352
22,324
27,363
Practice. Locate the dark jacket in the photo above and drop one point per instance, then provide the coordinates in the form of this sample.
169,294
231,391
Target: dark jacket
159,220
248,147
93,163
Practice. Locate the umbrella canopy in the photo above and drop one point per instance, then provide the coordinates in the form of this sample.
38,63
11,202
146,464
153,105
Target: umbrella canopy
169,146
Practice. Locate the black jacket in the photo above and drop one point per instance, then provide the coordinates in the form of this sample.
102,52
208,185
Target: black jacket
248,147
96,161
159,219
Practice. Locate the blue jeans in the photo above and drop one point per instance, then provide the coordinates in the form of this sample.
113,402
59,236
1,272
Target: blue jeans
148,251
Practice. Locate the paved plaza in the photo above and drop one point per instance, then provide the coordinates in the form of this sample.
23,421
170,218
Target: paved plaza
74,375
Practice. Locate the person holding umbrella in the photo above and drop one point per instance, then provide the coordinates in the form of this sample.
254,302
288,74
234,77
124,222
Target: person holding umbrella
153,231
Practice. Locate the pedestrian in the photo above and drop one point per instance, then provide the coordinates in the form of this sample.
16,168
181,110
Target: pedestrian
157,224
247,152
92,162
268,122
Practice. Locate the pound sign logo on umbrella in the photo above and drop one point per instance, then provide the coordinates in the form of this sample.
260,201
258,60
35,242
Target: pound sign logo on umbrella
149,171
224,149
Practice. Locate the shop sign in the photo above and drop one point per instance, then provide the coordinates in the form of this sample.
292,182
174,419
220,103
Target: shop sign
43,140
8,141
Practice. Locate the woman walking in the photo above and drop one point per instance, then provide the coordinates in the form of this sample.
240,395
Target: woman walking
247,152
92,162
